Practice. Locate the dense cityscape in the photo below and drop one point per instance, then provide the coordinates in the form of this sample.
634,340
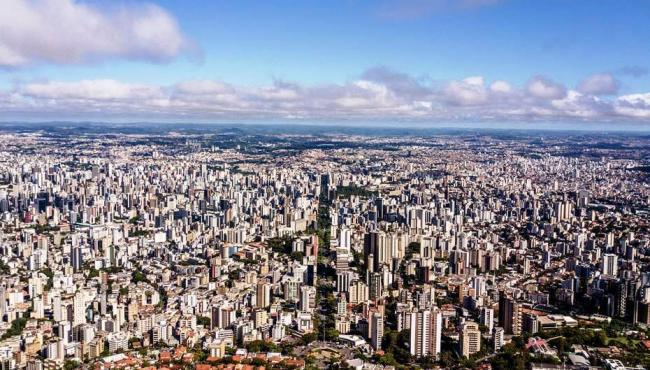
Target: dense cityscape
212,247
340,184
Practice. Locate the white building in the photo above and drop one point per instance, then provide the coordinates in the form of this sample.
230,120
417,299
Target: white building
426,330
609,265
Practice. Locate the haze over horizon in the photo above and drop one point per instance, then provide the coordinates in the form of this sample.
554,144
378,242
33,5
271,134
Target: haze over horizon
493,63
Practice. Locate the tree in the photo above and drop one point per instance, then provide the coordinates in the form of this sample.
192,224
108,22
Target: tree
4,268
199,354
413,247
50,277
308,338
561,345
70,365
395,344
133,340
447,359
17,327
139,277
512,357
427,362
388,360
601,338
202,320
467,363
261,346
331,334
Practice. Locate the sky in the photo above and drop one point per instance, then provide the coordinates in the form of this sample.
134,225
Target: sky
425,62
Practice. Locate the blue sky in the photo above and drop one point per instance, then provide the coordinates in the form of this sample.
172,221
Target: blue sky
327,47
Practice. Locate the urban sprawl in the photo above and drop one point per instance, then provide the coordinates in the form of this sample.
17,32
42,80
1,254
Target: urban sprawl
234,250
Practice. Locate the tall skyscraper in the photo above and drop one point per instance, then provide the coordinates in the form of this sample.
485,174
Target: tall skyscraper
344,238
376,330
509,315
487,318
375,289
76,259
263,294
609,265
358,292
497,338
307,298
470,339
426,330
79,309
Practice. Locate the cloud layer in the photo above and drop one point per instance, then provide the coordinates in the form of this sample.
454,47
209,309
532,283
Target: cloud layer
70,32
378,94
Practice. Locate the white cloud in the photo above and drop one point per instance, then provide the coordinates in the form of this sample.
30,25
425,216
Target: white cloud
203,87
575,104
633,105
71,32
469,91
365,94
474,80
400,83
543,88
380,95
500,87
91,90
599,84
276,93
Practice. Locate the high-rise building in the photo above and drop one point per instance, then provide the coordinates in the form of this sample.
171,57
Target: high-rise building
342,259
263,294
497,338
470,339
342,306
358,292
222,316
344,238
343,279
509,315
79,309
77,259
420,324
376,329
426,330
530,323
478,284
375,289
307,298
487,318
643,313
526,266
609,265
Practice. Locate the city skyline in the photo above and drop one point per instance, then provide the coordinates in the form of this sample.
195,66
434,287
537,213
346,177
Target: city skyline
414,62
341,185
210,247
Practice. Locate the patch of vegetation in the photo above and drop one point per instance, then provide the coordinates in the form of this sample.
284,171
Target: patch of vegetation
202,320
280,244
17,327
4,268
394,344
138,276
262,346
348,191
